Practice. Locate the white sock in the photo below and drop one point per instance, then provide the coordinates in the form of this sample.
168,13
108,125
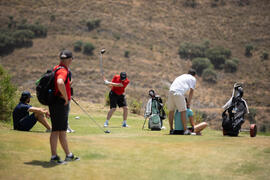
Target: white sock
125,122
107,121
70,154
53,156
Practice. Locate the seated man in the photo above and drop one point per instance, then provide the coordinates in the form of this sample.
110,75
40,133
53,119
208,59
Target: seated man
22,121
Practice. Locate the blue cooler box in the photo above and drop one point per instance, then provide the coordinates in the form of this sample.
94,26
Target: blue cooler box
178,125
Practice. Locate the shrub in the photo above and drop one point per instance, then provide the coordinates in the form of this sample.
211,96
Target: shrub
218,56
190,51
92,24
251,115
190,3
107,99
264,55
263,128
23,38
7,94
209,75
235,60
52,18
7,44
199,116
116,36
88,49
135,106
38,29
78,46
199,64
248,50
126,54
12,23
242,2
230,66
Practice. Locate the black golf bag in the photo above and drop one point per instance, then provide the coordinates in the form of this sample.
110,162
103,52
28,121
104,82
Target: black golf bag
235,110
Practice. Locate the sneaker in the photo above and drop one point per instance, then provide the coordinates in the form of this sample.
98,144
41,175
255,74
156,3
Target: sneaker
57,160
72,158
69,130
106,124
172,131
187,132
124,125
163,127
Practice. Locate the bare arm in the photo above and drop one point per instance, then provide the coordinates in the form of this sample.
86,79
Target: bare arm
191,91
191,120
62,89
39,111
113,84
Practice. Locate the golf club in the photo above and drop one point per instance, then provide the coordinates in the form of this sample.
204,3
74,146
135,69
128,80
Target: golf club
105,131
100,63
144,123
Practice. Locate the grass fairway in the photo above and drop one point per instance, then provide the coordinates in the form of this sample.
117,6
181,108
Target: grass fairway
130,153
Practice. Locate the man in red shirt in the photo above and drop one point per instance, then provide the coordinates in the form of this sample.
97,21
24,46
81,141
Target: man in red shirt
117,96
60,108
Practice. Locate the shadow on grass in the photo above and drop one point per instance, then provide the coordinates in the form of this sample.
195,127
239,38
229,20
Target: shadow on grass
44,164
32,131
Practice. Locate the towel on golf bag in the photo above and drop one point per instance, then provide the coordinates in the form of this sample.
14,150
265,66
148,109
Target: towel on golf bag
235,110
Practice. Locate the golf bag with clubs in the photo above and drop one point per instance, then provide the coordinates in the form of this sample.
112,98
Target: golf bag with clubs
234,113
155,112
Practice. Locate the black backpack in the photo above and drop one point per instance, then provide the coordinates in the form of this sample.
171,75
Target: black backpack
45,87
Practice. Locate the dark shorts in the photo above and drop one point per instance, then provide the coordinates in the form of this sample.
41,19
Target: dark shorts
27,123
59,115
116,99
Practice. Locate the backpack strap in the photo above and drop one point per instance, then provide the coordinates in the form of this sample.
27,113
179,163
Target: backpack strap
68,76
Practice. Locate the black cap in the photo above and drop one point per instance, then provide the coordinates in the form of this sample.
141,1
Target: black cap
26,94
65,54
123,76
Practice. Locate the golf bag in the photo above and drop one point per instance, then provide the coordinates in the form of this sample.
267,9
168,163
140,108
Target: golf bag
155,111
234,113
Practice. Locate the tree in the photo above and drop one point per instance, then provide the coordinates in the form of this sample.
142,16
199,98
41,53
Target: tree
7,94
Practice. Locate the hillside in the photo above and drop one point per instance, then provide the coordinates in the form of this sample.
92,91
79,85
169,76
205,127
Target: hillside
151,31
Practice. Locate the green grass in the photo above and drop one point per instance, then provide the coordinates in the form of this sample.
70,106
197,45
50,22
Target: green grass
132,153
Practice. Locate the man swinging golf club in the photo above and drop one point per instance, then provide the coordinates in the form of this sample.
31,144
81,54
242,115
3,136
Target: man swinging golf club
117,96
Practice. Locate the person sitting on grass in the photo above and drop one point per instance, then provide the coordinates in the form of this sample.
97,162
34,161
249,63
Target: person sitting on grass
22,121
195,128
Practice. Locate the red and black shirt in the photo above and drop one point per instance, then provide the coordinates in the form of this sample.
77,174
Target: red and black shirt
62,73
119,90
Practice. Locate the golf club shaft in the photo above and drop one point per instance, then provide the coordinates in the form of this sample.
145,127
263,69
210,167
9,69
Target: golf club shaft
101,66
144,123
87,114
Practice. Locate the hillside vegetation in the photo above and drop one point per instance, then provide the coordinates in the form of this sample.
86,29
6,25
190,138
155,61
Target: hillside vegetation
143,39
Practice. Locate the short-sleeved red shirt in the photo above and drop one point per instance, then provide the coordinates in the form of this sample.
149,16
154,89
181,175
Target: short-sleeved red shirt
62,74
119,90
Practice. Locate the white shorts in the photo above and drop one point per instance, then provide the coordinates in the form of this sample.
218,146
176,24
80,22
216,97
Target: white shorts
176,101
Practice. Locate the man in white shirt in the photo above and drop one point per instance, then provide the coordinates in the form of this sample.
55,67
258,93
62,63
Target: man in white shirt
176,98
